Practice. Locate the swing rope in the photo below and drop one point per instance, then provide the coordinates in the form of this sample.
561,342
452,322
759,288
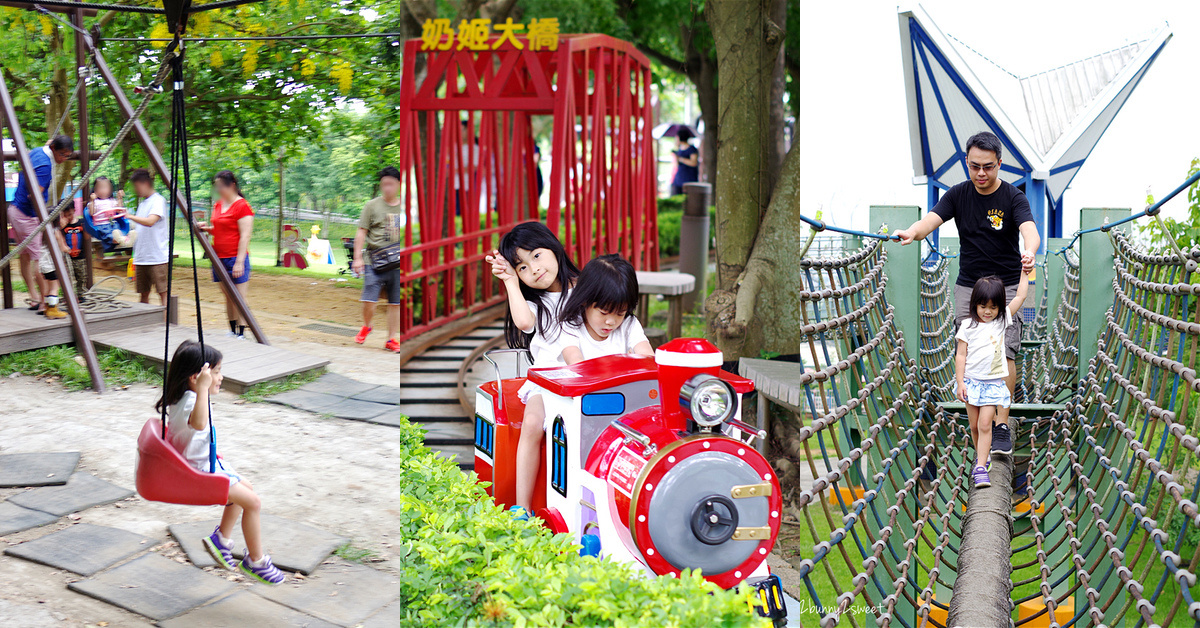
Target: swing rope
179,162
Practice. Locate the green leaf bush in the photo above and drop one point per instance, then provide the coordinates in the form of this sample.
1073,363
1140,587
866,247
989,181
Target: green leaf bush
468,563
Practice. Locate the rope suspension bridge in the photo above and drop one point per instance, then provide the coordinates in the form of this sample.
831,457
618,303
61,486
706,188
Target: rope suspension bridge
1089,522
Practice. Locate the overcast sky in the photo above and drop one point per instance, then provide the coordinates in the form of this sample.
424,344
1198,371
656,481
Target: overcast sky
853,119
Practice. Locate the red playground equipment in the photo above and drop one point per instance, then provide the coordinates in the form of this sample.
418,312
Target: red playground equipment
163,475
467,155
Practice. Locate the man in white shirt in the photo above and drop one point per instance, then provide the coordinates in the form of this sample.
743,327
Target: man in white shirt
150,249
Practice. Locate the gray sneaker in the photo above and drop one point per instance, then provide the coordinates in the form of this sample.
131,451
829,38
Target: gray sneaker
980,475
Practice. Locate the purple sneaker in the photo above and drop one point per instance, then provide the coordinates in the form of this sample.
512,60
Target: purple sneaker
222,553
980,475
266,573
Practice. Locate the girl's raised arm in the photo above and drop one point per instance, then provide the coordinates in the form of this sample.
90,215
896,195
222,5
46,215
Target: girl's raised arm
1014,306
522,316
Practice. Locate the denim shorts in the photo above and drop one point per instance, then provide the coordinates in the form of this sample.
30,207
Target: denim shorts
228,263
987,392
374,284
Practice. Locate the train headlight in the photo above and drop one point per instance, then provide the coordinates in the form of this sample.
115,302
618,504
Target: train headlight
710,400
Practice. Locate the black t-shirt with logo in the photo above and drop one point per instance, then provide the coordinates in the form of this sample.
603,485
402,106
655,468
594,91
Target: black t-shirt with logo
988,226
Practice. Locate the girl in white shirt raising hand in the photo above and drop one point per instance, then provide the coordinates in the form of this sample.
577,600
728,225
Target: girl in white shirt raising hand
980,365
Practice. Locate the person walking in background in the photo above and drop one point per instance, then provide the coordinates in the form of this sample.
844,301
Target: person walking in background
687,161
150,249
230,227
379,216
22,214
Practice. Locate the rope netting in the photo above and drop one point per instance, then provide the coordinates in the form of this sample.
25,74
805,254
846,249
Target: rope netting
1103,524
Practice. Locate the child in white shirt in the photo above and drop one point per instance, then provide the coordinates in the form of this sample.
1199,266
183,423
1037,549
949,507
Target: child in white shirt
598,317
980,365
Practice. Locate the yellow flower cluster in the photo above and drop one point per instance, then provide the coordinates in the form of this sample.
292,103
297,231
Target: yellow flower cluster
250,58
307,67
47,25
160,31
342,71
216,59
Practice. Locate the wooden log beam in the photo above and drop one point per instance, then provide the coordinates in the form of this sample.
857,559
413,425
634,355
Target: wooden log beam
83,342
983,590
160,166
11,155
16,4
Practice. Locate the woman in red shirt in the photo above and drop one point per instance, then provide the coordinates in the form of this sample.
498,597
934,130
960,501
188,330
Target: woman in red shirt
232,222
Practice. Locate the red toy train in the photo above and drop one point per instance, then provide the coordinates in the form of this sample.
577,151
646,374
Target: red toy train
646,462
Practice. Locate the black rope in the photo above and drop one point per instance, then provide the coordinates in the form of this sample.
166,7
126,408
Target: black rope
179,162
128,8
256,38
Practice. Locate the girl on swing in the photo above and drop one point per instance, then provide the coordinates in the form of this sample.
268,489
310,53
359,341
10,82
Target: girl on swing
193,377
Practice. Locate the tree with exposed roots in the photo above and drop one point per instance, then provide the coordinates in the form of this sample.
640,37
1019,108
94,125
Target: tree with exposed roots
760,238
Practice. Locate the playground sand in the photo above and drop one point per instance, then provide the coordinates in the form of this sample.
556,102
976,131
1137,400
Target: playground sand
333,474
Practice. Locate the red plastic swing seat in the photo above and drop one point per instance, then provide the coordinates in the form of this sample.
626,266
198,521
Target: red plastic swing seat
163,475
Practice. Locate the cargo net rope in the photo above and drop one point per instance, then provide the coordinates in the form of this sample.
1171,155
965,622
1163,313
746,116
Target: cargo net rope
861,434
1104,524
1113,518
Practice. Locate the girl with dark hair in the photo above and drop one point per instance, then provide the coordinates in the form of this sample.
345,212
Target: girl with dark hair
598,317
537,274
230,228
980,365
193,377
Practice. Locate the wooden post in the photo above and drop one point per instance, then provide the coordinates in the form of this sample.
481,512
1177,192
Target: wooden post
160,166
5,273
279,220
83,341
84,142
903,270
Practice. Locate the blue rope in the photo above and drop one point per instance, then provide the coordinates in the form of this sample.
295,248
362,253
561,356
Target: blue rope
1149,211
819,225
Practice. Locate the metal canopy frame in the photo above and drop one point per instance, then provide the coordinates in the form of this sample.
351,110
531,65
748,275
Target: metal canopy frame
943,89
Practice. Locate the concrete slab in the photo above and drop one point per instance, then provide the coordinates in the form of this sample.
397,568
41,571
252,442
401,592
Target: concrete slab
434,412
83,549
154,586
430,394
449,433
334,384
40,469
246,609
293,546
387,617
382,394
81,492
14,518
357,410
304,400
391,417
344,593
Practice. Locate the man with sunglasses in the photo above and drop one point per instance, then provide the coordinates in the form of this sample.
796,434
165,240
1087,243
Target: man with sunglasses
989,213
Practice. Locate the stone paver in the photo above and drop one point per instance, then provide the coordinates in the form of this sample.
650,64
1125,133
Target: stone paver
81,492
344,594
293,546
388,617
340,385
246,609
153,586
14,518
380,394
83,549
391,417
41,469
356,410
305,400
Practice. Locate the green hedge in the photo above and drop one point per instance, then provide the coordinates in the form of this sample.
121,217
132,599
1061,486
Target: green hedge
466,562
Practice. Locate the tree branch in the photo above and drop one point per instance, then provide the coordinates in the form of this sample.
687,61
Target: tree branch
671,63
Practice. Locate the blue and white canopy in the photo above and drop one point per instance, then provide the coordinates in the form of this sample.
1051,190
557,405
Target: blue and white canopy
1048,122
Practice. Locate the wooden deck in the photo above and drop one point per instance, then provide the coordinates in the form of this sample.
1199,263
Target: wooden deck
245,362
23,330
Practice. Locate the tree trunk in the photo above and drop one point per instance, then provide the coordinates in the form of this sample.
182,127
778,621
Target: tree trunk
758,251
58,102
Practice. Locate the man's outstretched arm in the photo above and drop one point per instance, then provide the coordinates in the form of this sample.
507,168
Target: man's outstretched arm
919,229
1033,242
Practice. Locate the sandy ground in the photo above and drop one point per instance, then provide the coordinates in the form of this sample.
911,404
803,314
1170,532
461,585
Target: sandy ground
333,474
